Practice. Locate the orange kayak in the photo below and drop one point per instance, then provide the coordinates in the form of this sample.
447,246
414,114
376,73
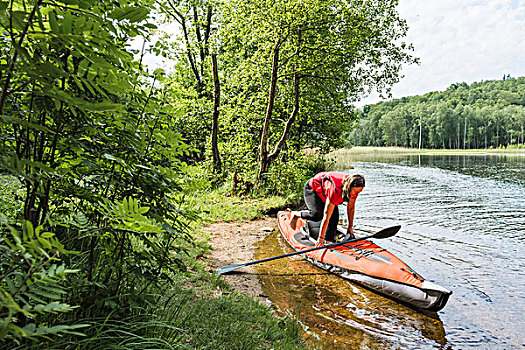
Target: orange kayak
368,264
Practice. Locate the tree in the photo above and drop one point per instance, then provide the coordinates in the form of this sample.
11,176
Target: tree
63,67
198,71
313,59
195,20
480,115
88,136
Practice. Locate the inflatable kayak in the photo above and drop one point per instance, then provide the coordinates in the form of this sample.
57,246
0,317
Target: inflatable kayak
368,264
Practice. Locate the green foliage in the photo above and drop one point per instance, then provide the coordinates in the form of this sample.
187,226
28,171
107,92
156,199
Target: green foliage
288,177
32,283
294,68
131,255
85,131
190,85
328,54
482,115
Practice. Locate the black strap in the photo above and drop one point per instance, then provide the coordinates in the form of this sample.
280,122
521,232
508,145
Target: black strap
323,178
414,273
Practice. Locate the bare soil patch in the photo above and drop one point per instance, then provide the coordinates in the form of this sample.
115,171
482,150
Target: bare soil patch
234,243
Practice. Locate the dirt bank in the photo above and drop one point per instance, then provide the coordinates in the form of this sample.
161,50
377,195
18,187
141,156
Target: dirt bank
233,243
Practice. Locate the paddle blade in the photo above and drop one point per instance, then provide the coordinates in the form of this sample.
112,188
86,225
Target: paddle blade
387,232
229,268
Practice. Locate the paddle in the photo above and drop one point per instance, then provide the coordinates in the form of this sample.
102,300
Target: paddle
384,233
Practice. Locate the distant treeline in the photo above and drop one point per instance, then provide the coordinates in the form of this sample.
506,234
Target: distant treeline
482,115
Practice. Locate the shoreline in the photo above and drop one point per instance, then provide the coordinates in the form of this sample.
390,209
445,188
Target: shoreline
234,243
371,150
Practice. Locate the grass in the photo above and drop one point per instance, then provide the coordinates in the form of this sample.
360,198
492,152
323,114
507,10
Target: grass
183,320
218,206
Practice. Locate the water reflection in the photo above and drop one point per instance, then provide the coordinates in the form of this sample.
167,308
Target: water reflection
339,314
504,167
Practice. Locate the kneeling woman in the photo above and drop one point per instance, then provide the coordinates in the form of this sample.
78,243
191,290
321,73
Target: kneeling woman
322,194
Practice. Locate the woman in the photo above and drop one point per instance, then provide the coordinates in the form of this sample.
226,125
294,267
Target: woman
322,194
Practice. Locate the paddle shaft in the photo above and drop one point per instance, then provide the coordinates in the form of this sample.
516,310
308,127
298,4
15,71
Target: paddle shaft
234,267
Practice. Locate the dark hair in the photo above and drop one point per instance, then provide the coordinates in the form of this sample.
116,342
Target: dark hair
356,180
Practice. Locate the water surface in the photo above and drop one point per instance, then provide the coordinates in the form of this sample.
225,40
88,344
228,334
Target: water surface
463,223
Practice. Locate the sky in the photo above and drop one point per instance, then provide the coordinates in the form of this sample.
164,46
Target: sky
460,41
456,41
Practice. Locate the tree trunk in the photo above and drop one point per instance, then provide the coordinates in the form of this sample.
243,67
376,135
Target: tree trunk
486,146
420,131
217,166
465,135
497,133
395,137
458,141
265,159
282,141
264,162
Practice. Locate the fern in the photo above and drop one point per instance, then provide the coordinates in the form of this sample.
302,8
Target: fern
32,277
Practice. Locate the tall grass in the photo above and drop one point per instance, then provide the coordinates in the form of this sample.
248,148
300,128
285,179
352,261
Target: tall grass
182,319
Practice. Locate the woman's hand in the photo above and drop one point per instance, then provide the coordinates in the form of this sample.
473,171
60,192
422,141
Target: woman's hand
320,242
294,216
350,233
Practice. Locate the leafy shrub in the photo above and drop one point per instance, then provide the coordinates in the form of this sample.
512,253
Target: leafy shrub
85,131
288,177
115,269
32,283
124,259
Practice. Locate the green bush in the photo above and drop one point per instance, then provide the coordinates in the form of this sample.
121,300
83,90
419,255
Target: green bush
85,132
287,178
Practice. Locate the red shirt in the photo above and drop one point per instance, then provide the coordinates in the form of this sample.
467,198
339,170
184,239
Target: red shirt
328,185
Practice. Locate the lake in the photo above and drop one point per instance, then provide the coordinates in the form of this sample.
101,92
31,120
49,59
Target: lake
463,226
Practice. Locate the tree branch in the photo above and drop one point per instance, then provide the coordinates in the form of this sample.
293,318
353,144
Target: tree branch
15,55
189,53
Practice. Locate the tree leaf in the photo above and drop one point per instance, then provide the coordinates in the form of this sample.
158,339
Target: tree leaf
53,22
133,14
67,23
19,19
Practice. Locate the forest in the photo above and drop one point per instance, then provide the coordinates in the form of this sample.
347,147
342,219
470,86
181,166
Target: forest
101,156
487,114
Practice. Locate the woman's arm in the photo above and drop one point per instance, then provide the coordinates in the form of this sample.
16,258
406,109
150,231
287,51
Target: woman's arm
350,209
327,214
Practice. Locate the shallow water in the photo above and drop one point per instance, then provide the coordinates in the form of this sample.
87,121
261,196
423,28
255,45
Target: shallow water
463,226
